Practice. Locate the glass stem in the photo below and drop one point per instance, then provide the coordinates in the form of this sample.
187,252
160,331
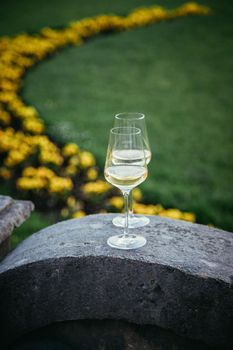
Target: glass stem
126,199
131,204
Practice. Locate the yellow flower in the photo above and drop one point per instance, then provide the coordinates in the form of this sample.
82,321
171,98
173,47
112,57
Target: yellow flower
28,112
87,160
137,194
74,160
117,202
8,85
171,213
64,212
189,216
35,126
5,117
71,170
39,172
25,61
14,158
71,149
7,96
144,209
97,187
78,214
158,208
30,183
71,201
5,173
45,172
60,184
50,157
194,8
92,174
29,172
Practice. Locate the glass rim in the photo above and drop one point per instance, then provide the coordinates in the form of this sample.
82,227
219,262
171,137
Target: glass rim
140,115
136,131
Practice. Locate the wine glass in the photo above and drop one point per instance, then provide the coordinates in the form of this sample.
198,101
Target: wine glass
125,173
136,120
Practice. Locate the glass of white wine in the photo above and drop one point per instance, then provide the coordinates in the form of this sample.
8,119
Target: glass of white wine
125,173
135,120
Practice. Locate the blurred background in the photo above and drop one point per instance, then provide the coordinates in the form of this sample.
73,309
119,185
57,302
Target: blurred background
179,73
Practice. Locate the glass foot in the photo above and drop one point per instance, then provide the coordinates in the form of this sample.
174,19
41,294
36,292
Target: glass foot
134,221
131,241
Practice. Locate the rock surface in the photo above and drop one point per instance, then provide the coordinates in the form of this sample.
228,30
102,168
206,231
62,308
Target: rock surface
104,335
180,280
12,214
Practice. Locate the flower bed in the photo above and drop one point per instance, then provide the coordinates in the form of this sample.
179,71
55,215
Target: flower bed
53,175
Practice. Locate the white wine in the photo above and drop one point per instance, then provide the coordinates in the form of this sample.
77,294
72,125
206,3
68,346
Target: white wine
128,156
125,176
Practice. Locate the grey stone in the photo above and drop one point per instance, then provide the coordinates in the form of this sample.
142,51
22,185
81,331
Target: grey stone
12,214
104,335
5,203
180,280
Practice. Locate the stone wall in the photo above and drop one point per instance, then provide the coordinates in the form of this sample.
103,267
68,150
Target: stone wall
180,280
12,214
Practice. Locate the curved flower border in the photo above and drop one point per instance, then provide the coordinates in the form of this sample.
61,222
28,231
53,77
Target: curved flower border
65,178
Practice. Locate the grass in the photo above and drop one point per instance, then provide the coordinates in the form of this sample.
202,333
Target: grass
178,73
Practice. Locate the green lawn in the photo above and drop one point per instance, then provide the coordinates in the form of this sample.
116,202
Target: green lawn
178,73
